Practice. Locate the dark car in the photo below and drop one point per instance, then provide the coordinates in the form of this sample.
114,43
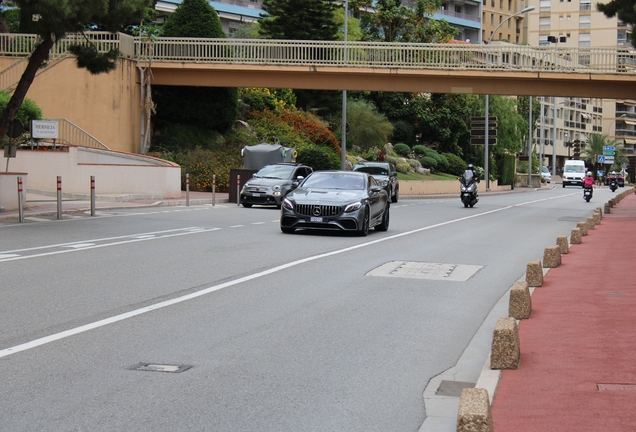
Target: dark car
270,184
385,174
336,200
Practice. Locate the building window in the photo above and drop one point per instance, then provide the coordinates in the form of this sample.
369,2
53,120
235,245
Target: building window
492,19
584,40
622,37
458,9
544,23
509,4
585,5
585,21
500,4
544,6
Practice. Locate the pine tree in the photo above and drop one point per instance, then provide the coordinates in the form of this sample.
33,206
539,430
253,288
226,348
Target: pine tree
55,18
299,20
206,107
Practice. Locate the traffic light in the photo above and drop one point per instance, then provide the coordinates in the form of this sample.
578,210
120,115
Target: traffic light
576,147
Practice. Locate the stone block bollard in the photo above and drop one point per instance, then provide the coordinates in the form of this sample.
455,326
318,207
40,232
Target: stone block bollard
552,257
600,211
474,413
534,273
597,217
562,242
520,304
583,226
575,237
607,208
591,224
505,351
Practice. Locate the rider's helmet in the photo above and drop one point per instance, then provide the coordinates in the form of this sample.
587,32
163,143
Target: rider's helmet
471,167
589,173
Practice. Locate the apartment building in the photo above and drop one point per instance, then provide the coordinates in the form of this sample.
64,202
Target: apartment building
577,23
496,12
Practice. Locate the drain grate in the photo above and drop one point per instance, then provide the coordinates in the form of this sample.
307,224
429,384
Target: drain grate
154,367
453,388
617,387
424,270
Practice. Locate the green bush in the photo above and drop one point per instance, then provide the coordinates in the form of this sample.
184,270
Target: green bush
442,163
403,167
402,132
420,150
402,149
201,164
456,165
429,162
507,169
318,158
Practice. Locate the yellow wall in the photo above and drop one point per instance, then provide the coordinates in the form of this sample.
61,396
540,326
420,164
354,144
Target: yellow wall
107,106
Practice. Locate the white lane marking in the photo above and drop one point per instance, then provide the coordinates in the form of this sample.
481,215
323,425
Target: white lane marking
258,223
237,226
2,256
101,323
127,239
80,245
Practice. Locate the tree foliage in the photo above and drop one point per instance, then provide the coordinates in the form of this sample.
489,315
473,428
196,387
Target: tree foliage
55,18
367,127
624,9
299,20
594,147
393,21
208,107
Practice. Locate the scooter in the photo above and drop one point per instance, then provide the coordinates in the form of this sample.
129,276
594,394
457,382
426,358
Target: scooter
613,185
587,193
468,189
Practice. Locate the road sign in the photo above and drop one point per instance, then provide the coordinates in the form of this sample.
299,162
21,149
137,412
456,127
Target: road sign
483,119
482,141
609,153
600,159
482,132
609,160
609,148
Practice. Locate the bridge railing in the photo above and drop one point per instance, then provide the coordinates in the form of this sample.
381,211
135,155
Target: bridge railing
495,56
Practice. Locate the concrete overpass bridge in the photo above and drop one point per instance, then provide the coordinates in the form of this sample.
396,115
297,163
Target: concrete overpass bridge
499,68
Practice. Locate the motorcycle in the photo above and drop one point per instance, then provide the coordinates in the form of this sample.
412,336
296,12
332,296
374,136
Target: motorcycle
587,194
468,189
613,184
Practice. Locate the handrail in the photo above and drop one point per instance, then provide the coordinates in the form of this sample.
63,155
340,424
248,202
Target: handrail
10,77
493,57
74,135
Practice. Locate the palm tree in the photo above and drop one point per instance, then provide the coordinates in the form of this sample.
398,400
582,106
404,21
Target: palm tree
594,147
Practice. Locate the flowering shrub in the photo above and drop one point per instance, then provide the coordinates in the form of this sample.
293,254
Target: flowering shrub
202,164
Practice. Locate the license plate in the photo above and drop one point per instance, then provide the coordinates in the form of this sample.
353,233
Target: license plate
256,195
315,219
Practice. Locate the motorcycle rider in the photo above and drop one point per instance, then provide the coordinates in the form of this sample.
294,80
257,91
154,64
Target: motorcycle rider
588,182
471,167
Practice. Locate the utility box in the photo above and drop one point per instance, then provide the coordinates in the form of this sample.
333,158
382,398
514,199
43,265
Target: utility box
234,186
257,156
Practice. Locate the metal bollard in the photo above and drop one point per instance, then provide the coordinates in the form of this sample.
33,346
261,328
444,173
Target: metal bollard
20,200
238,190
92,195
214,189
59,197
187,190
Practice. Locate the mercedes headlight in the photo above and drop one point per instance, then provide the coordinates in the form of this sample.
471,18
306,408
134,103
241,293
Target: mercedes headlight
353,207
288,204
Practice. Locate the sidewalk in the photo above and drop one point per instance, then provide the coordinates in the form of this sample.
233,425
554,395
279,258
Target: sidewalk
44,205
578,348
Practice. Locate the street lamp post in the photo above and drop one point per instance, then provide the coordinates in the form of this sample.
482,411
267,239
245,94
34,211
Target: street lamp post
343,142
486,149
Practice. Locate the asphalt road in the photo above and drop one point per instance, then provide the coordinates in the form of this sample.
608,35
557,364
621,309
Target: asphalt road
209,318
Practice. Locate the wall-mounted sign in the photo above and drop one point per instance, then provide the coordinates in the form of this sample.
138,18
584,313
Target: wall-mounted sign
44,129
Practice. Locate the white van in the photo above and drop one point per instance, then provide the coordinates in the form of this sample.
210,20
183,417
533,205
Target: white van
573,173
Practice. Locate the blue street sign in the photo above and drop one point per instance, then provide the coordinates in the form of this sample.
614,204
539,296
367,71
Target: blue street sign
600,159
609,148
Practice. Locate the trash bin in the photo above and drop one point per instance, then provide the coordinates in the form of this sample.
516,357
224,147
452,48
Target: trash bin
245,174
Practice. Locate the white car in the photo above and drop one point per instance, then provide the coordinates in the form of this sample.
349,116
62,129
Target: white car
545,174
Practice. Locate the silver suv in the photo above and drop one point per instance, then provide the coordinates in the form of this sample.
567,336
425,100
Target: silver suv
385,174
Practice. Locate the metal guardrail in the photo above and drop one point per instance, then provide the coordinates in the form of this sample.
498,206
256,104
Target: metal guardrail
494,57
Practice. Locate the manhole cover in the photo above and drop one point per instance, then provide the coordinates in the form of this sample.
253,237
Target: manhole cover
453,388
154,367
617,387
423,270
